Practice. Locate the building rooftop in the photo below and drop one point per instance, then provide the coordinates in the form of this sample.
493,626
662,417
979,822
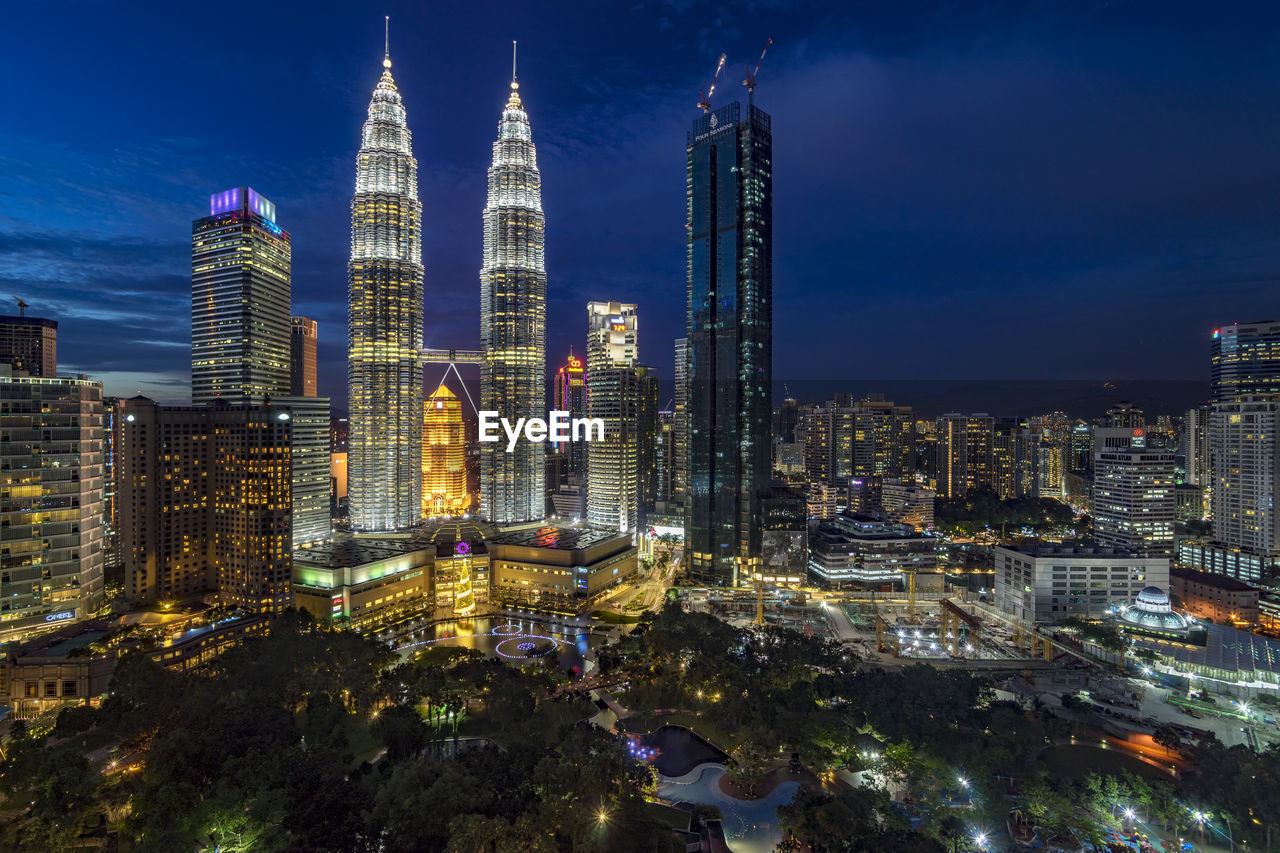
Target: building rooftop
563,538
1223,582
1071,549
1227,648
348,553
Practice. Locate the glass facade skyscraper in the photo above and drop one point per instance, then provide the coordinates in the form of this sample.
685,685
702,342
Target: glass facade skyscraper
729,189
513,316
1244,362
384,371
240,322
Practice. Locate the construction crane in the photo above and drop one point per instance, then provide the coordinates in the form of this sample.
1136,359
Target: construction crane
750,82
22,306
911,594
705,102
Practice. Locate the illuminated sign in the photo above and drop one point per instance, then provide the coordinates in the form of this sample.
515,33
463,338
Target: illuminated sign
575,364
462,549
619,326
60,617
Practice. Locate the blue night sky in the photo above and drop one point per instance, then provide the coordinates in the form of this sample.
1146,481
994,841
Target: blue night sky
962,190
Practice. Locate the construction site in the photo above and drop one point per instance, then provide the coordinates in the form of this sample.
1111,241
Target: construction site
898,626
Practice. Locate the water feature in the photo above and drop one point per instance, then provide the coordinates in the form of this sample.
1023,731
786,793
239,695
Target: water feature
516,639
750,826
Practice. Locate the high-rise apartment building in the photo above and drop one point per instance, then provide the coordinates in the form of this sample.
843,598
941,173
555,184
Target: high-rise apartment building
51,565
444,455
965,453
384,331
729,187
1243,452
240,291
205,502
513,317
1125,415
302,362
29,345
1133,492
569,392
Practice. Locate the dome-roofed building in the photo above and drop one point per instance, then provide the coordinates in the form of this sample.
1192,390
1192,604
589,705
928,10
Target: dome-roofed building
1152,613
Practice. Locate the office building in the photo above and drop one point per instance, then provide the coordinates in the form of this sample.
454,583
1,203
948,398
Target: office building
240,291
204,497
1080,448
1244,362
310,466
513,317
623,394
1193,445
680,470
51,565
384,330
1214,597
1134,504
569,394
1046,583
302,361
859,551
964,450
110,521
444,456
29,345
729,168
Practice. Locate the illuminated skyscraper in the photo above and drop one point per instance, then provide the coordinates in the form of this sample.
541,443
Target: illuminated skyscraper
513,314
384,372
444,456
1133,492
729,186
239,300
569,394
623,394
302,369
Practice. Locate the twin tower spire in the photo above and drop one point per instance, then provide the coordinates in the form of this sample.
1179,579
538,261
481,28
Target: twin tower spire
385,314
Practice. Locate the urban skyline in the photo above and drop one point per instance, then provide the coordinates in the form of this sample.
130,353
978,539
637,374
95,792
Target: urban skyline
814,56
735,611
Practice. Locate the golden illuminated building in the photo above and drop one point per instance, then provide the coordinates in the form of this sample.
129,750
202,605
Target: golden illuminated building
444,472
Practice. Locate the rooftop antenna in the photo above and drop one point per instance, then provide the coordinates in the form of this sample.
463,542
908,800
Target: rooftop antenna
750,82
704,102
513,62
386,51
22,306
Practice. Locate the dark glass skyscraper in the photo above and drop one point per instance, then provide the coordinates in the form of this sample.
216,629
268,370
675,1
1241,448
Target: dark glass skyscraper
729,190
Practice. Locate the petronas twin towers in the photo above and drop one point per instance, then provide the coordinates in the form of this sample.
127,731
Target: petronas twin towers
385,281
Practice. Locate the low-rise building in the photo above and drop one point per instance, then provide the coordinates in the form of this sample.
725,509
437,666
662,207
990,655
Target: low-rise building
861,551
364,582
1046,582
1215,597
558,569
908,502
